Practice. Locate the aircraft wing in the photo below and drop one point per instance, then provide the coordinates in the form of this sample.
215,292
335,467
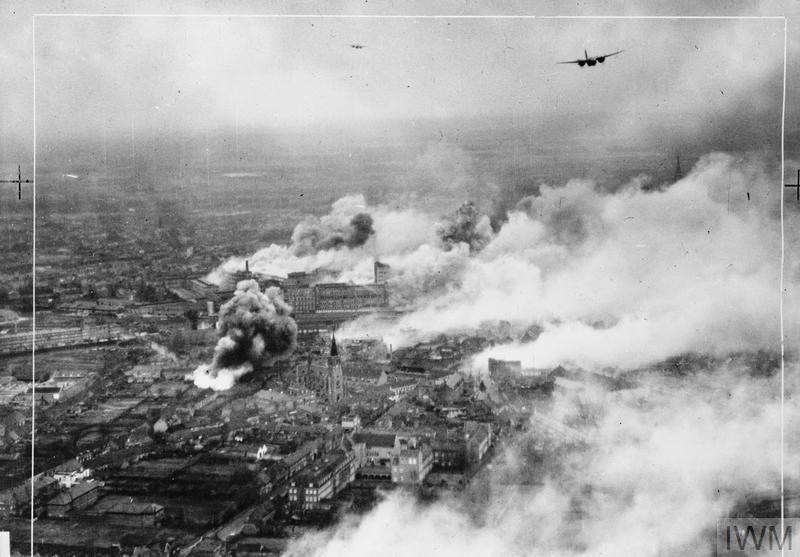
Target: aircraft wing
612,54
572,62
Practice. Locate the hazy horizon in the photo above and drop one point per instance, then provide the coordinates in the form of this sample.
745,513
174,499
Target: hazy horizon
680,80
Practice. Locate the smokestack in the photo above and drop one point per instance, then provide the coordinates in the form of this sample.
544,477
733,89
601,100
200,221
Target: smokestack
5,544
210,307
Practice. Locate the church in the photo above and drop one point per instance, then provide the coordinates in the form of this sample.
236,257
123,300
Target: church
334,378
326,377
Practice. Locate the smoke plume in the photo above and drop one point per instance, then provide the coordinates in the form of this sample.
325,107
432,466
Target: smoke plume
341,228
255,329
609,277
466,225
373,232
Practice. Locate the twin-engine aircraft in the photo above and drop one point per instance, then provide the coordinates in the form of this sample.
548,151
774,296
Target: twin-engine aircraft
591,61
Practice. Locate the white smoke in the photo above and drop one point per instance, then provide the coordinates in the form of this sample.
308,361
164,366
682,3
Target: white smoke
629,278
619,279
395,233
205,377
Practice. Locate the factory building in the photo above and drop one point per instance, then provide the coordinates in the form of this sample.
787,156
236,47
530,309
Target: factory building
301,298
349,297
335,297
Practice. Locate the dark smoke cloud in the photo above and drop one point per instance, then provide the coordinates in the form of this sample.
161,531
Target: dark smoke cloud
333,231
466,225
254,329
362,229
509,193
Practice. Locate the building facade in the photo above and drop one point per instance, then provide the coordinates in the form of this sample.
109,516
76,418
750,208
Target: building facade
334,297
382,271
322,480
410,466
78,497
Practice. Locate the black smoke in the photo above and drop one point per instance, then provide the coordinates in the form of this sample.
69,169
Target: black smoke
255,329
312,235
466,225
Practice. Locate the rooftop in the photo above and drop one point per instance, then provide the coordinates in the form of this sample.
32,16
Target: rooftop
375,439
78,490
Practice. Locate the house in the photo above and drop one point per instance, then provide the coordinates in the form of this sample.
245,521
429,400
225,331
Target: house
78,497
379,448
47,393
403,386
410,466
17,501
69,473
258,547
123,511
478,437
298,460
351,422
449,454
12,422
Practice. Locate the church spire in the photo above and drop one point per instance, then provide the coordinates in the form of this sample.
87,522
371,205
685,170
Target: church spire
335,377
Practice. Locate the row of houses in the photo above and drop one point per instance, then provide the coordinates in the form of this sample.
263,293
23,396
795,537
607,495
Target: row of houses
87,499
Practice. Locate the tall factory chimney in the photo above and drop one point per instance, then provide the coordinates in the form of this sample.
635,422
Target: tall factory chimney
678,171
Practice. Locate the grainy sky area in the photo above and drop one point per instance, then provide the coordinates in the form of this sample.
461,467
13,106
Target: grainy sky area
680,77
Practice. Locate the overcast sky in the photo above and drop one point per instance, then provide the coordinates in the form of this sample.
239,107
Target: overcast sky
684,76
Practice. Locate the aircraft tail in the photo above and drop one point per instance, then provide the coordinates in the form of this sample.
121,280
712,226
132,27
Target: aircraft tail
585,54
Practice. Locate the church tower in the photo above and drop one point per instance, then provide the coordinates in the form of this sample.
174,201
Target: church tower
335,378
